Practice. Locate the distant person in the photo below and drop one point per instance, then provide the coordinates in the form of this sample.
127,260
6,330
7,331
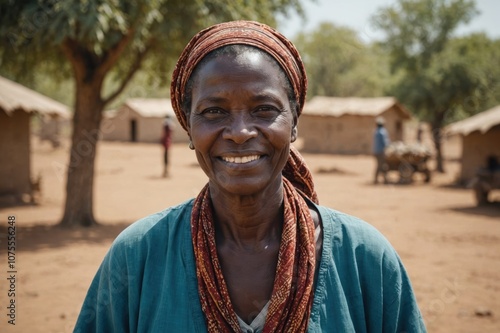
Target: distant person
419,132
166,141
380,142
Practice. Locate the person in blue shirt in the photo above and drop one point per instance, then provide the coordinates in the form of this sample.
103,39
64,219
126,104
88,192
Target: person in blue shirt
380,142
254,251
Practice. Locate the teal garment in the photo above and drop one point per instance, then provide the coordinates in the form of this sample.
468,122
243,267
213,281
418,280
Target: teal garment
147,281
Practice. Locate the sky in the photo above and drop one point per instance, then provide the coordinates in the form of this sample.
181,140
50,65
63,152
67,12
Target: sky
356,13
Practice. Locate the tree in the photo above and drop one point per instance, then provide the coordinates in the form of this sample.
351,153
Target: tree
478,56
102,44
338,63
432,82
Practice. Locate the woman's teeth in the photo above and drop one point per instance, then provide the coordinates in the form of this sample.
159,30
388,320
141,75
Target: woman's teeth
242,159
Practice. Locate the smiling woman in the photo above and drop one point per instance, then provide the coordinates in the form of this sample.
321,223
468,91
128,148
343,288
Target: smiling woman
254,251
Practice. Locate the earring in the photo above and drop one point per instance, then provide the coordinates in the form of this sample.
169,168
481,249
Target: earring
191,146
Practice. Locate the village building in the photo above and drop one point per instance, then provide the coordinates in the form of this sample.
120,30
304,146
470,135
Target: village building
345,125
480,141
140,120
52,127
17,105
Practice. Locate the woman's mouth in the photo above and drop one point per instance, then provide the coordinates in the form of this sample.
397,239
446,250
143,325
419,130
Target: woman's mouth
240,159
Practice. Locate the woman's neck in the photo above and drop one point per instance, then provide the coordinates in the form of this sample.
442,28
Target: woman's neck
248,222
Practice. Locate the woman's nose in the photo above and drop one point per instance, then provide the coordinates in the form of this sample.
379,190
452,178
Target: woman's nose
240,129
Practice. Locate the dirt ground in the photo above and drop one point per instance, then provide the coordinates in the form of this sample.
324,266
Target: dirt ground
450,248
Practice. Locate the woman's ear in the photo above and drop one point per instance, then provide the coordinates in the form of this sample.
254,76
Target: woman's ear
294,134
294,129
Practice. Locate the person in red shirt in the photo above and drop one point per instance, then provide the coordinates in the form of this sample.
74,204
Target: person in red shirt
166,141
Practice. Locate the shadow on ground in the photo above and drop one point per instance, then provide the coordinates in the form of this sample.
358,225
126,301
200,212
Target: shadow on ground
492,209
333,170
454,186
52,236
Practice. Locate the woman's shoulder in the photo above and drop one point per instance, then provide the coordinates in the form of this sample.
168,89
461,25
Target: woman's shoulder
353,233
357,246
167,224
338,219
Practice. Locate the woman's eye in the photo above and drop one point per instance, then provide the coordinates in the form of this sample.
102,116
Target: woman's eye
212,113
264,108
266,111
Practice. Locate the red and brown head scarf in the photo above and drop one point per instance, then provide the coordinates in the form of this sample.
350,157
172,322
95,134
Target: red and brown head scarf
292,296
249,33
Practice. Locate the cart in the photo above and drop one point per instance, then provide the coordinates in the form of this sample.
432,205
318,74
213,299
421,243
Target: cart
486,180
408,159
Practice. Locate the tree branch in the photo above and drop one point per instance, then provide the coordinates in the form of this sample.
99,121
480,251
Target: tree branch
75,54
132,70
112,56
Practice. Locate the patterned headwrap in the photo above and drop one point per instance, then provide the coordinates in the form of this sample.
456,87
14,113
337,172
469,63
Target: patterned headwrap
292,295
249,33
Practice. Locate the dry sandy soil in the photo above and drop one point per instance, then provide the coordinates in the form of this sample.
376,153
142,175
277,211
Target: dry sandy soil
450,248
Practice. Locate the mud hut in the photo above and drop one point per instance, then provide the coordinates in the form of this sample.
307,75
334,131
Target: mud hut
480,139
341,125
140,120
17,105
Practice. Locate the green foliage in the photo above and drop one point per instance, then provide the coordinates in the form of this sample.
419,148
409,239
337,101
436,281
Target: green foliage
418,29
33,33
338,63
478,57
442,78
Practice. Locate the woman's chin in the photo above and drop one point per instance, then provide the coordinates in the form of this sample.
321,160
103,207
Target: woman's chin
241,186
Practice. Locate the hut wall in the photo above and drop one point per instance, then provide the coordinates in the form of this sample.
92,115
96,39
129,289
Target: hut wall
394,124
116,128
15,152
341,135
475,150
180,135
147,129
150,129
348,134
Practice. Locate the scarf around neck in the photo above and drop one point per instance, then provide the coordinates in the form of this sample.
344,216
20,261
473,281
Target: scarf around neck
292,294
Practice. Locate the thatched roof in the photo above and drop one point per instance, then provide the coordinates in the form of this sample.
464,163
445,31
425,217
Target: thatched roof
481,122
151,107
14,96
360,106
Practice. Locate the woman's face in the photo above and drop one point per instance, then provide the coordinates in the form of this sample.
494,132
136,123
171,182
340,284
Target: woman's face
240,123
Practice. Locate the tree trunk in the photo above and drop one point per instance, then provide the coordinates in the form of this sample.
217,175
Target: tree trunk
78,210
